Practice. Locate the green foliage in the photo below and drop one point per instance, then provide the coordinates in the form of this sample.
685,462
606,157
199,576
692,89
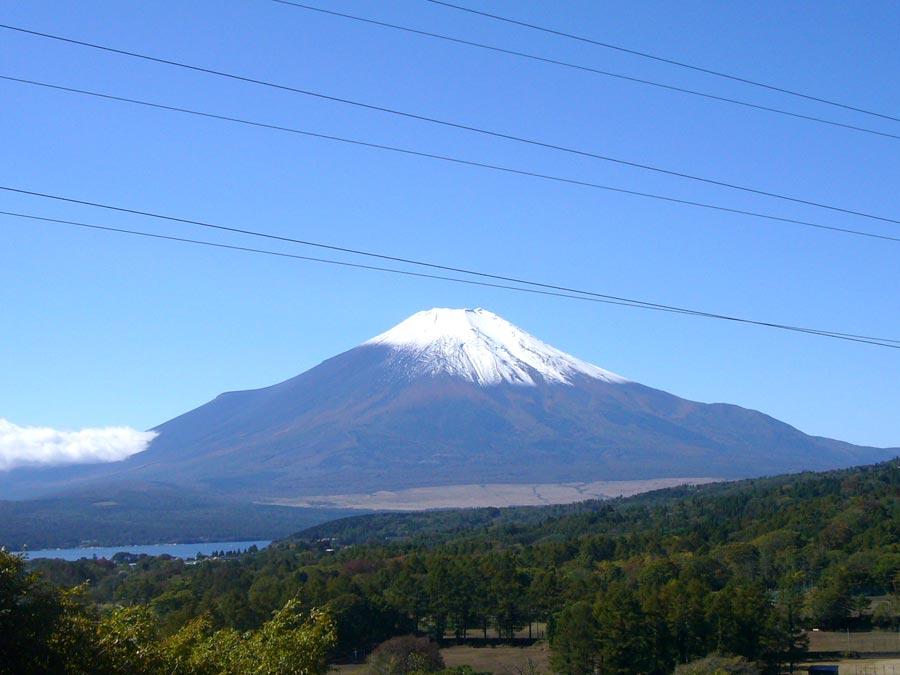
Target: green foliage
786,641
128,642
290,643
831,601
43,629
887,612
637,585
624,636
575,640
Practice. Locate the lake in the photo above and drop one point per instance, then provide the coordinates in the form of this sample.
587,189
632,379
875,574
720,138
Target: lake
176,550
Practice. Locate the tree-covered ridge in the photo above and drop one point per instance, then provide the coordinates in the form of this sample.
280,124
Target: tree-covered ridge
849,507
628,586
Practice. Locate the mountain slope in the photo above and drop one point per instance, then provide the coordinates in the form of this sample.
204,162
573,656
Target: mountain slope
461,397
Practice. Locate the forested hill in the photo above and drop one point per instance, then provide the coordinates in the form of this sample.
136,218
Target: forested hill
859,504
633,585
433,527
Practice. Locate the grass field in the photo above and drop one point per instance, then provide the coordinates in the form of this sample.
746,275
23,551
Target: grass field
490,494
512,660
869,646
863,666
879,641
502,659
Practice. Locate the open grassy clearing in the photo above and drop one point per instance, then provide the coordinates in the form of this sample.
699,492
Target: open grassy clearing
877,641
490,494
506,659
500,659
862,666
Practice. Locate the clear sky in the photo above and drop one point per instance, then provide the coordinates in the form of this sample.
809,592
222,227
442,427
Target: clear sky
100,329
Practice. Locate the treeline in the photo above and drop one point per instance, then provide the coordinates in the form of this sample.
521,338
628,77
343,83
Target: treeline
631,586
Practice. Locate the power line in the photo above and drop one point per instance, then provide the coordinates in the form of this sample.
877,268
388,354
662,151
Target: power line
456,125
662,59
328,261
893,344
455,160
544,288
589,69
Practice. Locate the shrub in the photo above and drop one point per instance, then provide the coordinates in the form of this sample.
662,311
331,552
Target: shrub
718,665
405,655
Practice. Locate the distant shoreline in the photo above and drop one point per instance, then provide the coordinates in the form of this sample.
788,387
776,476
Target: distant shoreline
181,550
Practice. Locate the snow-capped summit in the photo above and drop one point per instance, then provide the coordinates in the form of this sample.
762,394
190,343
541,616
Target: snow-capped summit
410,408
480,347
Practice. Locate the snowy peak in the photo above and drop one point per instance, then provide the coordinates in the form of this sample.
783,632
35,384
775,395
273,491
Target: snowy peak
480,347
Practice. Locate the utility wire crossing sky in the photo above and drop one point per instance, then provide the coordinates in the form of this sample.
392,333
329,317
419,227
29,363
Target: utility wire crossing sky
593,296
459,125
662,59
511,93
588,69
457,160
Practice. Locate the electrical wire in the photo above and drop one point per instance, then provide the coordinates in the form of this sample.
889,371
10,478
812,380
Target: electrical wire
589,69
456,160
662,59
542,288
460,126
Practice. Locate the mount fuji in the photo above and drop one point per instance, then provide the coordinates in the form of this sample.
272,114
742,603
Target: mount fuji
479,347
452,397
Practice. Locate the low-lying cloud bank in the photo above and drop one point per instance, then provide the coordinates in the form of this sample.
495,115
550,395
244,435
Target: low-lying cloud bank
43,446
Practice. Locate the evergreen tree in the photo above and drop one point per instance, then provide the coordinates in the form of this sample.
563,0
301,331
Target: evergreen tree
624,640
574,640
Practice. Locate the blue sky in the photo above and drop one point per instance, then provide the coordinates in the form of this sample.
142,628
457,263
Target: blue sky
100,329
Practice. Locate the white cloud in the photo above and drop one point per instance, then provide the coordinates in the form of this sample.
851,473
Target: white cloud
43,446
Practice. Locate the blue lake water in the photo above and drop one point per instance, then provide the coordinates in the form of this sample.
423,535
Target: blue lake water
176,550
